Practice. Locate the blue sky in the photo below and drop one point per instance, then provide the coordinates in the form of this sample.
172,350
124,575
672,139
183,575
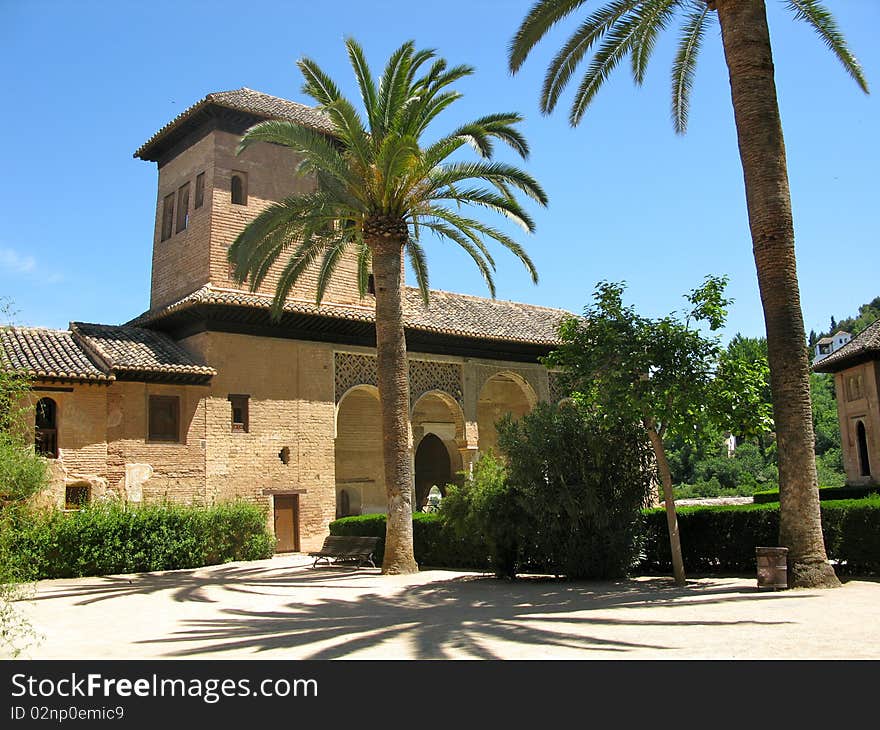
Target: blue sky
84,84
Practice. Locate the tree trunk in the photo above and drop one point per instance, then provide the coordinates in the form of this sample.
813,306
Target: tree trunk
385,239
671,517
746,40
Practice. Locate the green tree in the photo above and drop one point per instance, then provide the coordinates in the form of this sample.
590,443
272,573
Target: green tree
629,28
662,373
380,188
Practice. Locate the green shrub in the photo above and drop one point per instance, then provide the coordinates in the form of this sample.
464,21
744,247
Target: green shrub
567,500
723,539
107,538
825,493
22,472
434,543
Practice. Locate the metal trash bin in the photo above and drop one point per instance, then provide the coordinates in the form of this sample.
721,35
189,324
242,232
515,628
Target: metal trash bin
772,567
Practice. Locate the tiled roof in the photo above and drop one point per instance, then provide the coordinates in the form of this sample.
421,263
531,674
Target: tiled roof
138,350
863,346
248,101
50,354
453,314
98,353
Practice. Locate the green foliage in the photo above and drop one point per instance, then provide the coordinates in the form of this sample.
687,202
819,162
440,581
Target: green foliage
825,493
22,472
380,173
720,475
107,538
435,543
566,502
723,539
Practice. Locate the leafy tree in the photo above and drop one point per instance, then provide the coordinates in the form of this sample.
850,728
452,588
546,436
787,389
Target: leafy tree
629,28
567,498
380,188
661,373
868,314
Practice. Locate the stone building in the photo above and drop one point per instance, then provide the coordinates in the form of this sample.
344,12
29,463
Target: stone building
856,368
205,397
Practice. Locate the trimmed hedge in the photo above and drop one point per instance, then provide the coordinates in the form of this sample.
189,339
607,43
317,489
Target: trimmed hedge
713,539
825,493
106,539
434,544
723,539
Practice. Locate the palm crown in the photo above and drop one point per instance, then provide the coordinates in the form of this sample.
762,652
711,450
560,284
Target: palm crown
630,28
375,179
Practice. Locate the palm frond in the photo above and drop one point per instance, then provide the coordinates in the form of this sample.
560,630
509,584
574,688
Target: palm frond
304,257
366,83
487,199
392,86
684,66
617,43
566,61
654,17
364,258
497,173
332,255
317,84
419,263
820,18
541,17
473,251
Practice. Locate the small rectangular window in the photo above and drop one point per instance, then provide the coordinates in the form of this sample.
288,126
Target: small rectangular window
76,497
200,190
182,207
240,414
164,418
168,217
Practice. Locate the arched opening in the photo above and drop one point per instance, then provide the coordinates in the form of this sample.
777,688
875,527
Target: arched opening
46,428
503,394
359,466
238,187
432,468
862,445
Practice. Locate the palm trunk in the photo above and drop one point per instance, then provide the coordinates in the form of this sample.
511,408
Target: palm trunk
393,381
746,40
671,517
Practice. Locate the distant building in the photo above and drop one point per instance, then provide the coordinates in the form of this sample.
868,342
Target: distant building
828,345
856,368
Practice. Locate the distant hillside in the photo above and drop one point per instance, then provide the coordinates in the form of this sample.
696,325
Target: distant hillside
868,313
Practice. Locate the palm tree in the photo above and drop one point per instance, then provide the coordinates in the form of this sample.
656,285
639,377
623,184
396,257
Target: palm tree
630,28
379,189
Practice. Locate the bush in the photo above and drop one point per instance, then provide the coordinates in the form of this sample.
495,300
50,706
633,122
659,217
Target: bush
434,543
22,472
107,538
723,539
566,502
825,493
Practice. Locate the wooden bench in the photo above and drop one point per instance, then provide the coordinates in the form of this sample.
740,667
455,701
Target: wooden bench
346,548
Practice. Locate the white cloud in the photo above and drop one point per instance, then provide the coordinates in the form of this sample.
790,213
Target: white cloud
17,263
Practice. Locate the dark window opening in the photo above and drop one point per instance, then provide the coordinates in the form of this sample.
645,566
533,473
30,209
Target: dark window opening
284,455
862,439
239,188
168,217
240,413
200,190
46,428
344,504
371,284
164,418
76,497
182,207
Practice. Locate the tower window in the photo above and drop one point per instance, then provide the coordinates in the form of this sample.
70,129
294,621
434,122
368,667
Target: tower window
239,188
240,413
168,217
371,284
46,428
164,418
182,207
200,190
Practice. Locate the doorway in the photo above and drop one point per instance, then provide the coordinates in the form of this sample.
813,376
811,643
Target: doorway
862,439
286,523
432,467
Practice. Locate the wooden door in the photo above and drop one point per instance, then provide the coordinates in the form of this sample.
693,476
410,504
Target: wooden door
286,523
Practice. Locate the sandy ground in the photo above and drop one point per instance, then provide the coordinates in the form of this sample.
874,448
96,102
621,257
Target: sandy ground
282,609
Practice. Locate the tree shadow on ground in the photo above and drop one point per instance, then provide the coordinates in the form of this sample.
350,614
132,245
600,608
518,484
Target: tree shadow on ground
188,586
462,616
